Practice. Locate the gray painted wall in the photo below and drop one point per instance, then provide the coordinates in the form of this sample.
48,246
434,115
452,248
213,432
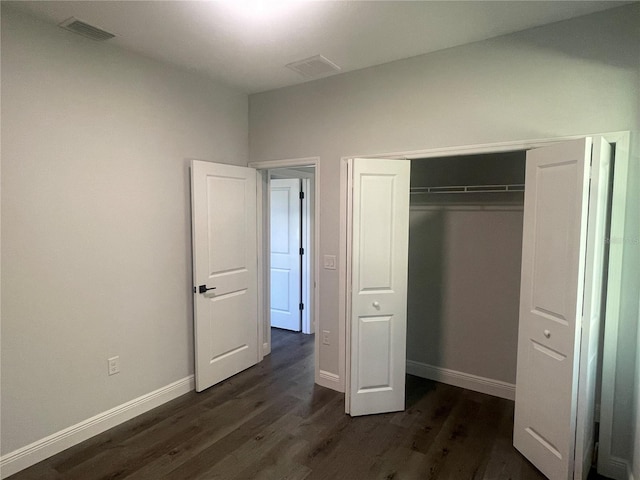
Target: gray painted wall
636,416
96,221
574,77
465,255
464,288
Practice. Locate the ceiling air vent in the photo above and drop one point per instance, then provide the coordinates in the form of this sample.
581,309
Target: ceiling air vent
313,67
78,26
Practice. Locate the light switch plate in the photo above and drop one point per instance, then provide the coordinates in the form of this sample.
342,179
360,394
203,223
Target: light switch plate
330,262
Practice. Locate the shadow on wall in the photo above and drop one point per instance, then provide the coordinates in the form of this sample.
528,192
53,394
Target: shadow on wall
425,299
613,29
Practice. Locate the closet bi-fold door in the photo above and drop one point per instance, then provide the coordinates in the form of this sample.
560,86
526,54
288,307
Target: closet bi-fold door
379,226
557,266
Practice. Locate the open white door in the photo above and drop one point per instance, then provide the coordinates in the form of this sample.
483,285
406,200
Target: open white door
224,270
551,305
379,222
593,306
285,253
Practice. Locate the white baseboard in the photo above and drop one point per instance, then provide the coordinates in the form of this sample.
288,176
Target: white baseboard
476,383
614,467
328,380
37,451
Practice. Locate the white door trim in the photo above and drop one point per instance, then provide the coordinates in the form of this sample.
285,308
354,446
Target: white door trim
263,168
614,280
526,144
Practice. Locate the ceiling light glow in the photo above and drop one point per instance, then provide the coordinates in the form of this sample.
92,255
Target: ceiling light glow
260,9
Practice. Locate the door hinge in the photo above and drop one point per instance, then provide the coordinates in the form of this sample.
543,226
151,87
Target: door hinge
301,251
301,195
301,306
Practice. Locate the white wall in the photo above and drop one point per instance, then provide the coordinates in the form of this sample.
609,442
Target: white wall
575,77
464,288
635,463
96,221
636,447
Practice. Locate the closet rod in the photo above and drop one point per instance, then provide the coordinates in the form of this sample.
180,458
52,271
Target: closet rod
469,189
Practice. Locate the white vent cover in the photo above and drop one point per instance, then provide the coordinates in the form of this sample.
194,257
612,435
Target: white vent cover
78,26
313,67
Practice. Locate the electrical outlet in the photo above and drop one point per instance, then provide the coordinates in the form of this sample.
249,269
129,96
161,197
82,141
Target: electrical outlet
114,365
325,337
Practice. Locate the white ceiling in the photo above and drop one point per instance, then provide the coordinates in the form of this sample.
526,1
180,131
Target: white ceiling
247,43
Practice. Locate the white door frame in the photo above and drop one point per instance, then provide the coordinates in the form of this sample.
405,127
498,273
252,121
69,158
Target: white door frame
607,464
264,307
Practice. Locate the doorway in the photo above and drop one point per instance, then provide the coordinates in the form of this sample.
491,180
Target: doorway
290,239
305,169
465,252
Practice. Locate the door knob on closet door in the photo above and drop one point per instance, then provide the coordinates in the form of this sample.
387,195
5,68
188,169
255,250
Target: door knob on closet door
547,333
376,305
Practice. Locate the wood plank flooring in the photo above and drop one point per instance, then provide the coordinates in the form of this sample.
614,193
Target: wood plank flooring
273,422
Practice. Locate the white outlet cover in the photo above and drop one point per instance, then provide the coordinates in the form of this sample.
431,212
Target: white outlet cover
114,365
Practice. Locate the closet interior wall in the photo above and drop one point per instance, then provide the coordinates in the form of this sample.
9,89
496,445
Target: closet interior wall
465,252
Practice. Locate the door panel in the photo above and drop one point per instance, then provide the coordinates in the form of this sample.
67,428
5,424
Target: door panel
553,258
379,256
593,306
225,261
374,353
285,253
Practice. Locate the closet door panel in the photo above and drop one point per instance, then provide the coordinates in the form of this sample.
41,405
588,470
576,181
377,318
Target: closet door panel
379,265
552,284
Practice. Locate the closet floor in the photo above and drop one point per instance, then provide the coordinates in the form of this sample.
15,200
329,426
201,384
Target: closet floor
272,422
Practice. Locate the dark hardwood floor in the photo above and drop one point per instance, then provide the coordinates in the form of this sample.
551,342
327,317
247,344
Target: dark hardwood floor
272,422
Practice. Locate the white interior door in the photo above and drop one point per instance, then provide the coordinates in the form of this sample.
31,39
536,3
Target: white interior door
224,270
379,221
551,302
593,303
285,253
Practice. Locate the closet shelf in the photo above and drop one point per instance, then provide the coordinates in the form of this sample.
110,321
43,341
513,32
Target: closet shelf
468,189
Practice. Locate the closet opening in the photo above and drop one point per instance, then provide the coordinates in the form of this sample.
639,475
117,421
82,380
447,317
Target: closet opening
569,263
465,253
